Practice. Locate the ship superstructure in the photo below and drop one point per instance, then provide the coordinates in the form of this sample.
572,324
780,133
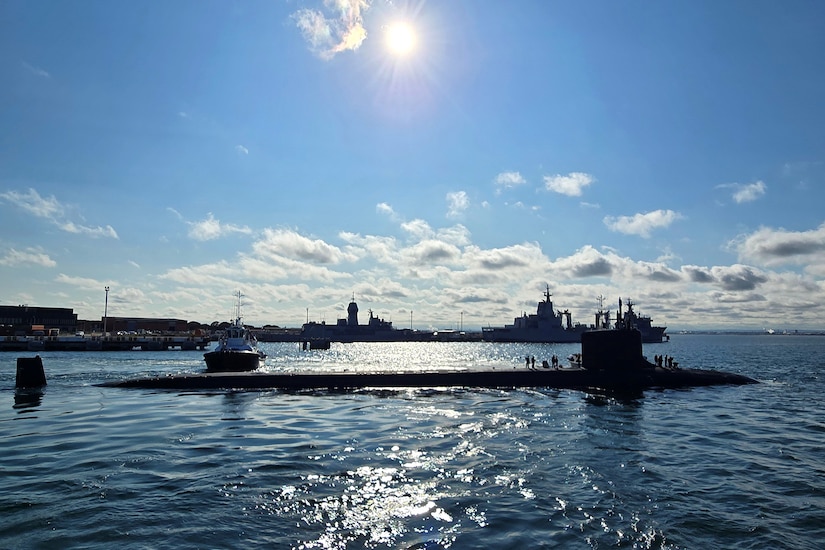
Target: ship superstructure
549,325
546,325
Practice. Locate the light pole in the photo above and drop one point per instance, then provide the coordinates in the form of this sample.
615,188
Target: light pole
105,311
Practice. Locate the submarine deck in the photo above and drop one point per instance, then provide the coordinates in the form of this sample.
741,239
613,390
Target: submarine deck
565,378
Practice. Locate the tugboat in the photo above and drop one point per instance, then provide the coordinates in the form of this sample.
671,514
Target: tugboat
237,349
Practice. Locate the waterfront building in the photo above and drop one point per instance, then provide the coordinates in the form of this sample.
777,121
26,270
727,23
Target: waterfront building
23,319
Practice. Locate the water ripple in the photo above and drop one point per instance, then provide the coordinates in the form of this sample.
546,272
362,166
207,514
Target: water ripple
90,467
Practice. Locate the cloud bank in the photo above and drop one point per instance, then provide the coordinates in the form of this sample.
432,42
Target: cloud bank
770,247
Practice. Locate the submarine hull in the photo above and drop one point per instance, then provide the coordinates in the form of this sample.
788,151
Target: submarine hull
612,360
577,378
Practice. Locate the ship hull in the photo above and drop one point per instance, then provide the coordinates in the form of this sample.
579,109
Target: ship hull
233,361
653,335
531,336
577,378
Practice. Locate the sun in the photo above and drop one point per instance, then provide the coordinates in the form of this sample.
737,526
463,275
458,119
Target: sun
400,38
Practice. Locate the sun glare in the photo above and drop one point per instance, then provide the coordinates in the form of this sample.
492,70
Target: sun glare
400,38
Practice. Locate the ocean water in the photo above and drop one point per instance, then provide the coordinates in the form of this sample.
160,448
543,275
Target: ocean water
727,467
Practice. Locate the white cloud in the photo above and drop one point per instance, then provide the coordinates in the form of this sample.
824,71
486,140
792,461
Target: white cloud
384,250
737,278
30,256
283,243
750,192
457,203
85,283
339,27
219,274
509,179
33,203
71,227
570,185
745,192
587,262
433,251
518,256
457,235
642,224
387,210
418,229
769,246
49,208
241,150
37,71
210,228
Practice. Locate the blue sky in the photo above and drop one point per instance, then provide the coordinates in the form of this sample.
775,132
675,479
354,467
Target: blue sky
668,152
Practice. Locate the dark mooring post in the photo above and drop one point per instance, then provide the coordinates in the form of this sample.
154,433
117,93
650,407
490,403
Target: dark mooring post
30,372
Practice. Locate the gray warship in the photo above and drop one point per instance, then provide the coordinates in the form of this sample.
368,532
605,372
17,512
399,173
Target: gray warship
550,326
349,330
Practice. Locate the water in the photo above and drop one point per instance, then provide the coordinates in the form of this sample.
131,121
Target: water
90,467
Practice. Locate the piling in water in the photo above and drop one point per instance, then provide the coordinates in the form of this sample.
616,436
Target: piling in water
30,372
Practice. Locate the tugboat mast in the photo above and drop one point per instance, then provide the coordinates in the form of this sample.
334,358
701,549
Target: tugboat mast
602,316
238,307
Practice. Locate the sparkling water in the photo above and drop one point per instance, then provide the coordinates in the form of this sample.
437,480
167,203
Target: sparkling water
723,467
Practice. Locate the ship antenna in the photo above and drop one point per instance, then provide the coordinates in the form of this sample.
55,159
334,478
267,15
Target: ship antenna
238,307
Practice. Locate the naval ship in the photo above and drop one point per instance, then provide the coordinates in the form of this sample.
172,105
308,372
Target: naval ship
548,325
349,330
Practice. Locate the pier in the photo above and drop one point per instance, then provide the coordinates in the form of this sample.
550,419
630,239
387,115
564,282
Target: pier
129,342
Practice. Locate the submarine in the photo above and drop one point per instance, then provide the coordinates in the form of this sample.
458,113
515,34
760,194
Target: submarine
611,360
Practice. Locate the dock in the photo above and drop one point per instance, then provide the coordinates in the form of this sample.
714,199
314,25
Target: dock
148,342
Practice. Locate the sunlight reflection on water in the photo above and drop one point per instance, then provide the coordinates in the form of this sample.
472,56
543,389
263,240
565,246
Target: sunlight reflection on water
400,356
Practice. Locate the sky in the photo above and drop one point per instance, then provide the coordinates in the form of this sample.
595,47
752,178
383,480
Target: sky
441,162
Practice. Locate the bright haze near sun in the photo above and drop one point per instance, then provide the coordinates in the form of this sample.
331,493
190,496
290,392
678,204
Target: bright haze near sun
400,38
